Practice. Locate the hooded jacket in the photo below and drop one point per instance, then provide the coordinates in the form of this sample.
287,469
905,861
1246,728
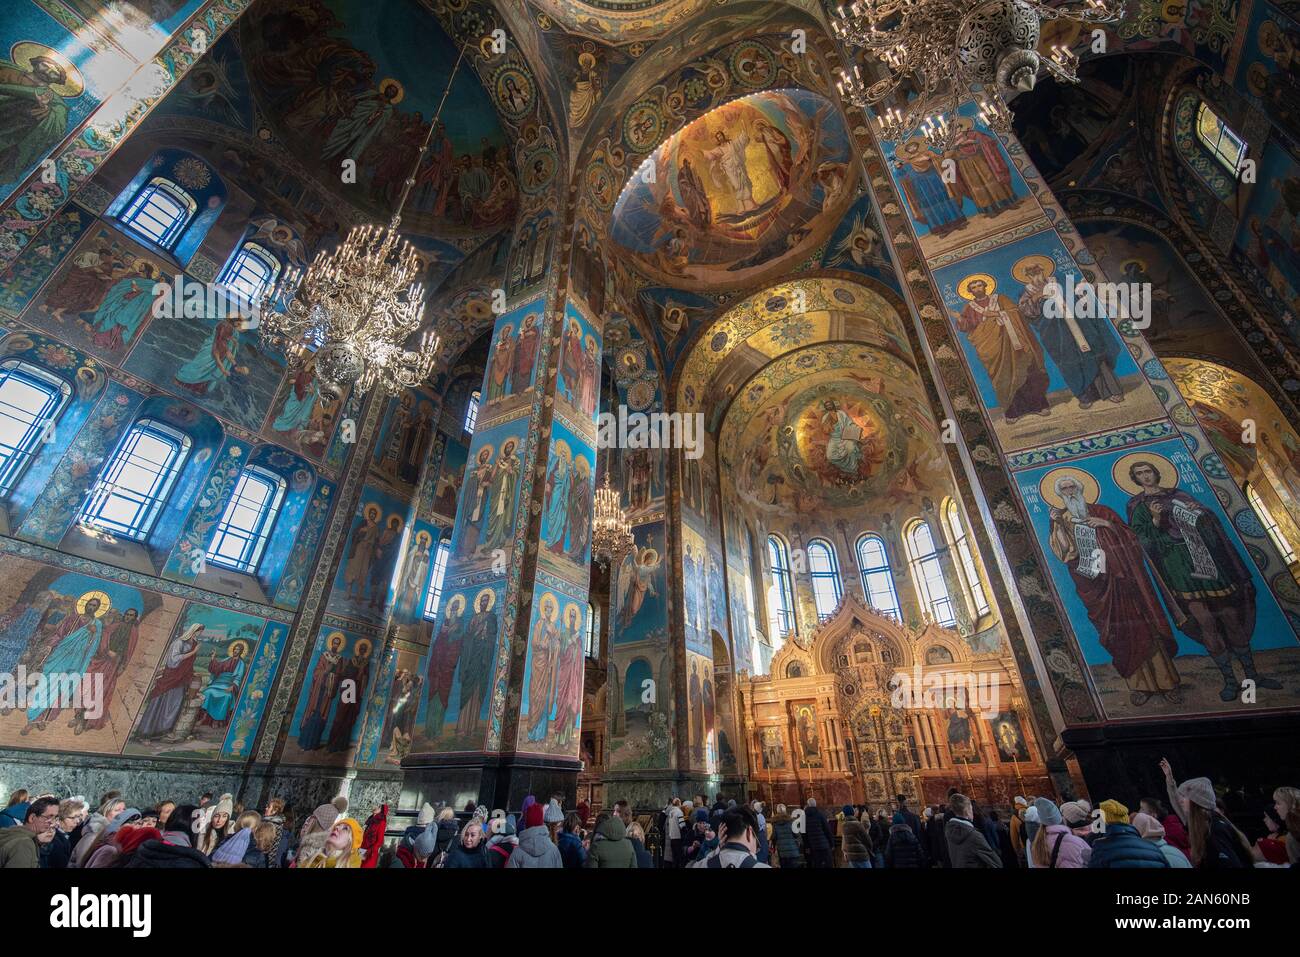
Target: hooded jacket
18,848
571,849
857,843
611,847
14,814
903,849
967,847
535,849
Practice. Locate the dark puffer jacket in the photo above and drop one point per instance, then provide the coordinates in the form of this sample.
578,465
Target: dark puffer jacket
168,856
1122,846
903,849
818,835
786,840
967,847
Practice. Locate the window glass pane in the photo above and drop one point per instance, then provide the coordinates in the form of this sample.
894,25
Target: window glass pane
30,400
824,572
1228,148
471,413
1270,523
251,272
928,574
781,602
434,595
134,485
159,212
970,570
246,525
877,578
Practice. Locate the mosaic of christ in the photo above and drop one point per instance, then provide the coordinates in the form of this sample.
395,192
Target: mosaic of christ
841,440
741,190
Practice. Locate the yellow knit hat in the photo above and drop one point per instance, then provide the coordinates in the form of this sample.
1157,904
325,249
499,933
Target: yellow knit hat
355,828
1115,812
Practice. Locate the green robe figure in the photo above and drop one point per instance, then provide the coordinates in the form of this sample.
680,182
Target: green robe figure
476,664
34,90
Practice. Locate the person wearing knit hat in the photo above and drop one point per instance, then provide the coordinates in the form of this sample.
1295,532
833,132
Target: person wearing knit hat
426,815
1054,844
1152,830
342,847
1115,813
1120,845
315,831
502,842
553,817
417,853
231,852
535,848
1215,843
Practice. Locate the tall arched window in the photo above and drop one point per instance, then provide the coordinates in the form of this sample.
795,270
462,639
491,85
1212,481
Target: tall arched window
30,402
966,558
471,413
825,573
780,605
251,271
434,595
249,517
927,572
135,483
589,644
877,577
159,212
1270,523
1217,137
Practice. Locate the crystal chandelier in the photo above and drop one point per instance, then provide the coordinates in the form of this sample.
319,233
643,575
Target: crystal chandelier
937,54
611,535
357,306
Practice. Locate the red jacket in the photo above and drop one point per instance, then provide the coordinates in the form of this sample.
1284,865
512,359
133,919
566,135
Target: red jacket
1176,834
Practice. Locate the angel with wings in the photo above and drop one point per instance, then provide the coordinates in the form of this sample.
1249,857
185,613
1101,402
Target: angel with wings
636,582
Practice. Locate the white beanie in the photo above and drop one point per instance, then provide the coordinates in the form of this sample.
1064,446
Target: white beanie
425,817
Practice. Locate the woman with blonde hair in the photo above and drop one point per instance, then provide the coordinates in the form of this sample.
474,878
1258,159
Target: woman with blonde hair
636,834
1286,803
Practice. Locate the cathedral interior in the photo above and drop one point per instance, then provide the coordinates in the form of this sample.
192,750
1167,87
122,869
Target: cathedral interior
908,529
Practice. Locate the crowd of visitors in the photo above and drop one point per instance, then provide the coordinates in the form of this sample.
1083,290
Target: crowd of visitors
1189,826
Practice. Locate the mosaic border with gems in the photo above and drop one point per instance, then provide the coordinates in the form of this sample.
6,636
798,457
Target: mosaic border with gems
1092,444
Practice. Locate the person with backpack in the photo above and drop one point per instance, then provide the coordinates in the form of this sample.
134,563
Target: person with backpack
788,852
469,853
902,849
738,842
1054,844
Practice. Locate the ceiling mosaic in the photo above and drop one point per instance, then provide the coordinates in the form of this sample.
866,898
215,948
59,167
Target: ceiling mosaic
620,21
744,190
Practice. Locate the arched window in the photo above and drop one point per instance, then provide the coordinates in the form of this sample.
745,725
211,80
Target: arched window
471,413
589,645
434,595
249,517
159,212
877,577
825,573
251,272
30,402
781,599
1270,523
134,485
927,572
966,558
1217,137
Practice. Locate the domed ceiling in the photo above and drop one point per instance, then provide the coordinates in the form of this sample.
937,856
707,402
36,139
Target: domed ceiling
360,80
742,192
620,21
832,427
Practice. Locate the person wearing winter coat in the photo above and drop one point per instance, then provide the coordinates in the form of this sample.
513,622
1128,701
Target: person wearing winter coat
1054,844
20,846
535,848
1214,842
856,842
966,845
1149,829
764,845
470,852
502,843
786,841
902,849
937,839
167,856
737,832
342,848
1017,825
416,854
879,835
15,812
1003,846
610,846
1120,845
674,822
448,828
569,841
636,835
818,836
1175,833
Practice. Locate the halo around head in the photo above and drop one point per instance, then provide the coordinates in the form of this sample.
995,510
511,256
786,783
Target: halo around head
105,603
1021,269
491,597
1166,469
1047,486
24,52
963,287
